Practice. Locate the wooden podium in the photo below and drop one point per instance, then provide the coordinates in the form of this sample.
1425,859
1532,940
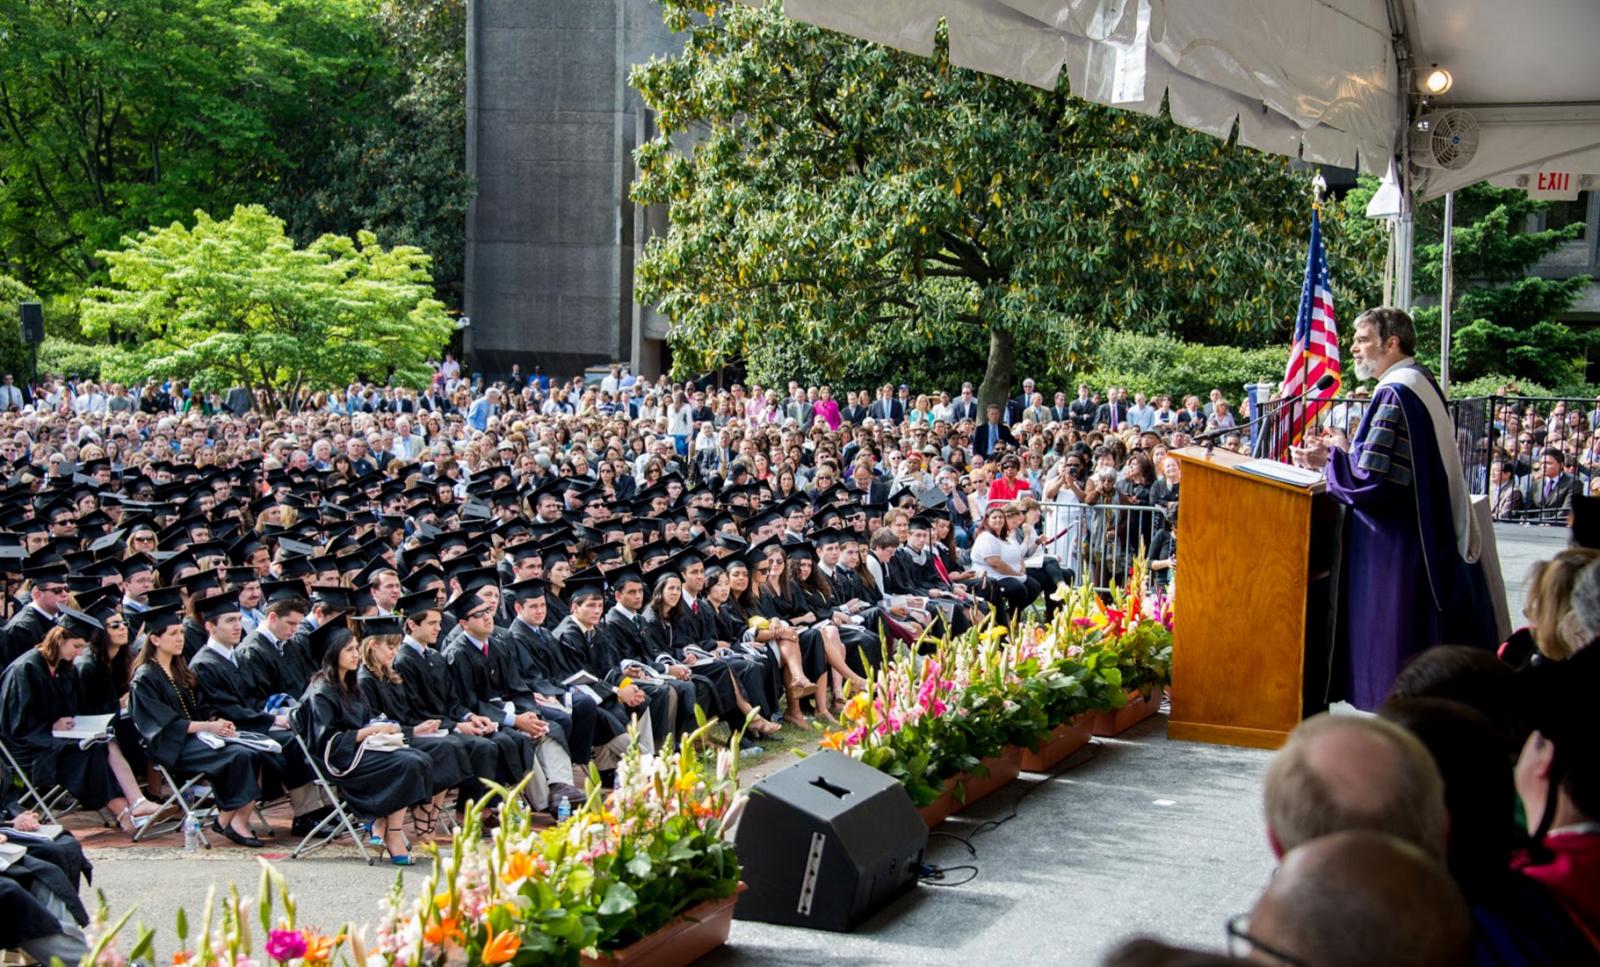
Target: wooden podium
1253,602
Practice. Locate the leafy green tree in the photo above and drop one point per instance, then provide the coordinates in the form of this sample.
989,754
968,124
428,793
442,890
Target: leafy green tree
237,303
824,191
120,114
1503,321
399,172
13,354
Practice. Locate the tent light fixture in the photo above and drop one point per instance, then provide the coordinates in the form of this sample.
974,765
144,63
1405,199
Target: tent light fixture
1436,81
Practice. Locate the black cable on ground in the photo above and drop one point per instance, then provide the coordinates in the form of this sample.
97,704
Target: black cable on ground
1070,762
934,875
971,850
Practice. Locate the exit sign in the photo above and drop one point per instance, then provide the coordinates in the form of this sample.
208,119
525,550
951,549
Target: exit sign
1555,185
1547,185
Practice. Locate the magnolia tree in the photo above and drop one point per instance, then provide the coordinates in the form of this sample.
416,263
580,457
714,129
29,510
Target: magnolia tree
236,303
824,190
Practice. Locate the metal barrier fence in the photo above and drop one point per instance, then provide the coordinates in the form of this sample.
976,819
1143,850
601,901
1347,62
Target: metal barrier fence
1521,429
1342,413
1099,541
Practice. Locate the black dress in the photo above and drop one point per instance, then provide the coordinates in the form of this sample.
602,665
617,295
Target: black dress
813,656
375,784
430,692
761,667
450,766
162,709
103,688
32,698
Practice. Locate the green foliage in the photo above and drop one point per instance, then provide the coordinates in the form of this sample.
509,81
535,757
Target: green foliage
834,189
1156,364
13,354
235,302
400,171
1503,319
120,114
1495,384
61,357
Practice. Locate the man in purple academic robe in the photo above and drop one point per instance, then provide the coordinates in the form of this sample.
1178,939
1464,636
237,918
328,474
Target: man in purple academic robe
1412,574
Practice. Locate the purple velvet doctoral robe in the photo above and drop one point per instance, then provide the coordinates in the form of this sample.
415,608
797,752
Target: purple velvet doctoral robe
1404,586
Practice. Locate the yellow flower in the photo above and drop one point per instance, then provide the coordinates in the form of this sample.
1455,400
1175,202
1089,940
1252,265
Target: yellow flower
833,740
856,708
319,948
994,633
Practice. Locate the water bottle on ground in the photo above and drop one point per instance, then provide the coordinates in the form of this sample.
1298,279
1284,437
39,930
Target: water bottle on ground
191,835
563,810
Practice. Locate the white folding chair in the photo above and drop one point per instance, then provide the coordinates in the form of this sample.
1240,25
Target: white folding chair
339,821
55,799
197,812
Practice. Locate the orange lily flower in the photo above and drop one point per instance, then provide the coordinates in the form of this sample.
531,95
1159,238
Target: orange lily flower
500,947
519,866
319,948
443,931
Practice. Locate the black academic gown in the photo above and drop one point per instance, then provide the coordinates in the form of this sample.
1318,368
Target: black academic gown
284,668
375,784
24,632
763,680
102,694
483,684
162,710
226,687
450,766
566,654
32,698
713,677
616,645
194,639
431,692
813,656
63,852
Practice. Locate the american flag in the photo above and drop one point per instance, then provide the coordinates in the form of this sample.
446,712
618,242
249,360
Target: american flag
1314,353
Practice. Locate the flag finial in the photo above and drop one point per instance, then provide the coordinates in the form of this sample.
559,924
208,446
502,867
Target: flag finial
1319,190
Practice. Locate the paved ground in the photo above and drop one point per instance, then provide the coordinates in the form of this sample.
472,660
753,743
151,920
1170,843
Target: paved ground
1140,834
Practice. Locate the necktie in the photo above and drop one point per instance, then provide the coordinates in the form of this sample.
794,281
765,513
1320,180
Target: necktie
637,624
694,606
1549,488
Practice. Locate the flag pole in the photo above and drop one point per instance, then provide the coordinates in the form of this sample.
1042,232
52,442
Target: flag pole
1319,187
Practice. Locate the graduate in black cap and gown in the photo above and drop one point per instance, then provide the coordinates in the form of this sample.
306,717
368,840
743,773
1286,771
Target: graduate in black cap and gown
386,694
186,735
378,777
39,695
430,690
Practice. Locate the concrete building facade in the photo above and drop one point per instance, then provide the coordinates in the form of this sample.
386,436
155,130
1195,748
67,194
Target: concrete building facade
551,236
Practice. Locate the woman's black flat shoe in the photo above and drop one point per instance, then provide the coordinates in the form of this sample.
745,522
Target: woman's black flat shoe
242,840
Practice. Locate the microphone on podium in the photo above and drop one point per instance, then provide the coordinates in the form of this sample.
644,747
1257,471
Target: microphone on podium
1210,438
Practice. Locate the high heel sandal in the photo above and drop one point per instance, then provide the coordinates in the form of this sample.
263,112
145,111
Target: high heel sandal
424,819
397,859
135,823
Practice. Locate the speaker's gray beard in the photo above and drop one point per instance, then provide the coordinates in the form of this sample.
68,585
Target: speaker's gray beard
1365,370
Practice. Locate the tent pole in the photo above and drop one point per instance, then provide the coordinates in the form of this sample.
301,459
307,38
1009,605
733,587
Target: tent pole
1446,293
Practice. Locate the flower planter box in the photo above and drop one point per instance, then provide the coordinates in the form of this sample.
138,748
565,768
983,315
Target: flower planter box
1003,770
1117,721
1065,739
685,939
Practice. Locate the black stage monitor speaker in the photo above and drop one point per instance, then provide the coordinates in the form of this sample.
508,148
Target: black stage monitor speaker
826,843
32,323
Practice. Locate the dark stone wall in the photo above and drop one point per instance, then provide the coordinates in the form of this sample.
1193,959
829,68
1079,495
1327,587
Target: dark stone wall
551,127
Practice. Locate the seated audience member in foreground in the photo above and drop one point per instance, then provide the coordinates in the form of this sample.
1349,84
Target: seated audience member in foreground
1356,898
1558,778
1344,772
1516,920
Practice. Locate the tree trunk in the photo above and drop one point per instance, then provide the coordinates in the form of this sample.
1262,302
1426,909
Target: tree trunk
997,374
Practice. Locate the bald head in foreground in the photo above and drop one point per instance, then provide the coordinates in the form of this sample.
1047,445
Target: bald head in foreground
1357,898
1344,772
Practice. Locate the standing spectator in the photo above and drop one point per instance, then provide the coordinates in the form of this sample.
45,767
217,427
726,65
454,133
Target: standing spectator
10,397
484,408
1113,412
1141,414
991,435
965,407
1083,409
1018,403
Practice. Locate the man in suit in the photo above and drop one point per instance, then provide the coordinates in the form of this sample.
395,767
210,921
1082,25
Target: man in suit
11,398
1551,488
624,652
886,407
1114,411
529,604
1060,412
991,434
1505,500
1083,409
1017,404
966,407
865,484
853,412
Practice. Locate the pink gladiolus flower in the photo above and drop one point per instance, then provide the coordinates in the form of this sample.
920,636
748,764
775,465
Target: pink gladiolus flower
285,945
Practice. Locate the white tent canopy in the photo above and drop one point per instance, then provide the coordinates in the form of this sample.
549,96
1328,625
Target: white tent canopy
1329,81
